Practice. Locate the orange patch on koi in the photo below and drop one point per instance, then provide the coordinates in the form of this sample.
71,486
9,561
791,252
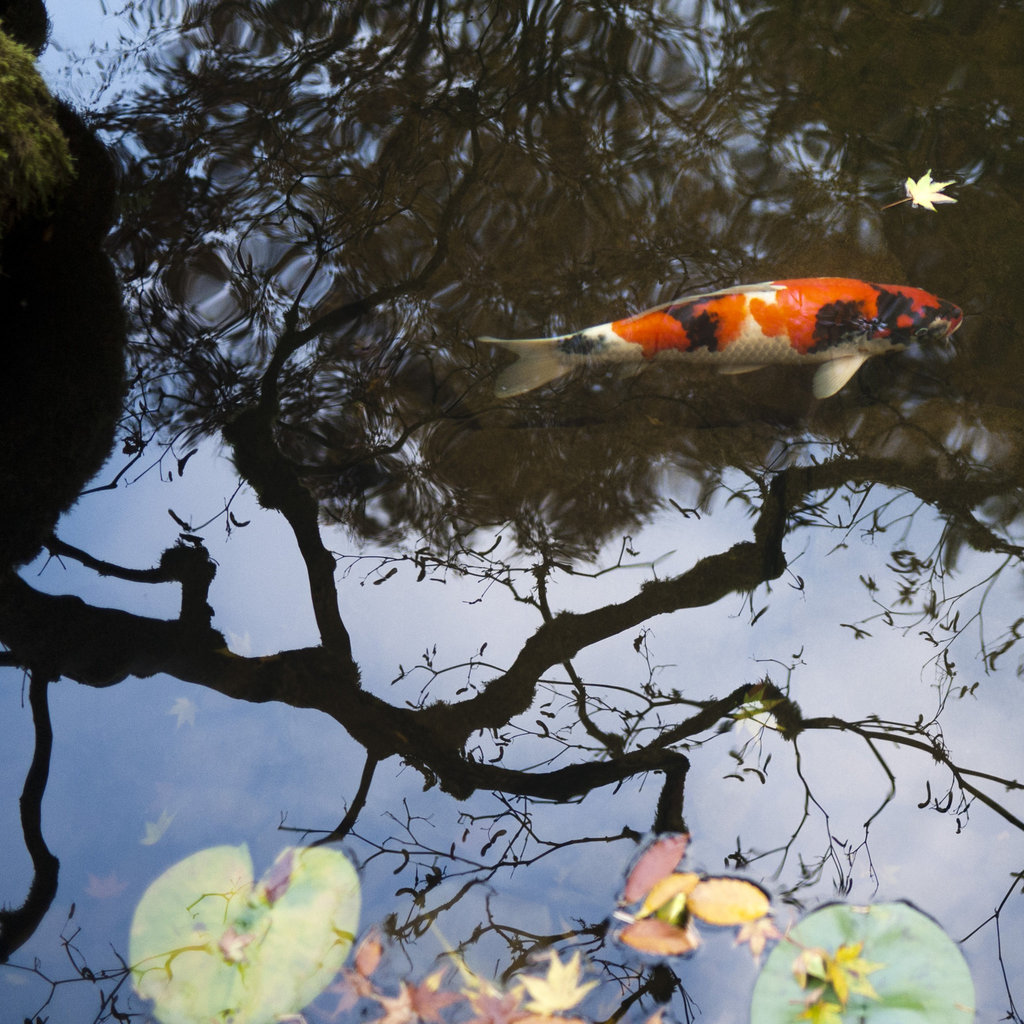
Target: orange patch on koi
653,331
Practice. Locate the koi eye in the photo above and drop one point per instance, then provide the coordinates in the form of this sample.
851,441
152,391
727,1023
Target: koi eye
922,332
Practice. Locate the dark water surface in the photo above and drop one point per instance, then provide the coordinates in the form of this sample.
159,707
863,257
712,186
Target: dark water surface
495,643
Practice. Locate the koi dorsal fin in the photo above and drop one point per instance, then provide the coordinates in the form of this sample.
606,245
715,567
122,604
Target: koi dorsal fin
740,289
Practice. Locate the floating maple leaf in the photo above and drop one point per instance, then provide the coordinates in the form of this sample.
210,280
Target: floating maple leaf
844,972
660,938
823,1012
657,861
559,990
924,192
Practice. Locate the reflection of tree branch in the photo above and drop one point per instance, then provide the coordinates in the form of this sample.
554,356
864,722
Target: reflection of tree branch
102,646
740,569
953,494
356,807
187,564
277,485
17,926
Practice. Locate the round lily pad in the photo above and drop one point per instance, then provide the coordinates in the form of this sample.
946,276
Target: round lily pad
209,943
906,967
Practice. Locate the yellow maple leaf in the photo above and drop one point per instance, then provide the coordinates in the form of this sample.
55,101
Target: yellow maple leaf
665,890
559,990
924,192
854,968
822,1011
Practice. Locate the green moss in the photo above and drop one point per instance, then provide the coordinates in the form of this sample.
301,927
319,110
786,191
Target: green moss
35,162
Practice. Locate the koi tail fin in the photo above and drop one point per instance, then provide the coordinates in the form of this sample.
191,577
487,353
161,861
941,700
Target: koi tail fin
538,362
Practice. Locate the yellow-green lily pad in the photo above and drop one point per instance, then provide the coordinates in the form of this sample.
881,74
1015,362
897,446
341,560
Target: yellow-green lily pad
209,943
886,963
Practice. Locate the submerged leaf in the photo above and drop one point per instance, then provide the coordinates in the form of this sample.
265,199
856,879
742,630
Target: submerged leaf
369,953
756,934
492,1006
559,989
155,829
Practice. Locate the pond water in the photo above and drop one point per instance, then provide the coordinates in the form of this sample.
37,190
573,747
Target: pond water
322,582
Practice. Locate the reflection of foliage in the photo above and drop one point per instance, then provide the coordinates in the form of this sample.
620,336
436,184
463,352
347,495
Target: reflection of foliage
530,170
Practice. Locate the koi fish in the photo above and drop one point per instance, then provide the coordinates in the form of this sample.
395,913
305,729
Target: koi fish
836,322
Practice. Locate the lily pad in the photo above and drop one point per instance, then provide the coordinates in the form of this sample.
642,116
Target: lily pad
916,971
208,943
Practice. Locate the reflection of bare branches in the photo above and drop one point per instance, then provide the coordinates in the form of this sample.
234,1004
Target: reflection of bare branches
18,925
918,737
107,996
1018,877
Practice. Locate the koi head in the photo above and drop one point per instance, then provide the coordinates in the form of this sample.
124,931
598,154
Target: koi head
910,314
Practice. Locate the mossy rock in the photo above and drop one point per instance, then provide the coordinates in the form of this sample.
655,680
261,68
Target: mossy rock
62,344
35,161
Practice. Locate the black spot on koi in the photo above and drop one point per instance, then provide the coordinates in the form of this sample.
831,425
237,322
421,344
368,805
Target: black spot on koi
702,329
839,322
579,345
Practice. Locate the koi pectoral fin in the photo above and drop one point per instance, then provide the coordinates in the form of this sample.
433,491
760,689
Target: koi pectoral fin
833,375
538,362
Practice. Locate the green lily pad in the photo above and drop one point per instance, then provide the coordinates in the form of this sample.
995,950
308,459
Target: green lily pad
210,944
913,968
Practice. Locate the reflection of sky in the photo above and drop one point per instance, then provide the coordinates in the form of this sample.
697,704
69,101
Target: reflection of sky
122,760
78,26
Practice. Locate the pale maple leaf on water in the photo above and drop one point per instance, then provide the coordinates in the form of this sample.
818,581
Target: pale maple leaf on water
924,192
184,710
105,888
559,989
156,829
757,933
